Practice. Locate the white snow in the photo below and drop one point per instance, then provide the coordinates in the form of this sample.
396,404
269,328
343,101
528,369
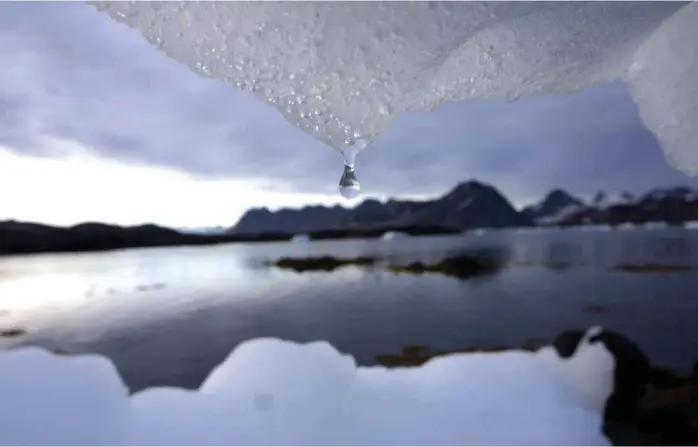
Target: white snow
692,225
300,238
343,71
271,392
560,215
626,226
654,225
612,198
391,235
596,227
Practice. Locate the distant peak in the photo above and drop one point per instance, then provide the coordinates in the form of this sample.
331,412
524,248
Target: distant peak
560,195
467,187
611,198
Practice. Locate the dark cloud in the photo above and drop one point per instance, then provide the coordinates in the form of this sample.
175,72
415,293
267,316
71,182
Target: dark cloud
69,72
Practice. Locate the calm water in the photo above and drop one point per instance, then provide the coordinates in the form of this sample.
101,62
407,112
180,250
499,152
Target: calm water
167,316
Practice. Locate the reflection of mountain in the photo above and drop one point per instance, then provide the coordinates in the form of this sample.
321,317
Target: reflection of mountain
469,205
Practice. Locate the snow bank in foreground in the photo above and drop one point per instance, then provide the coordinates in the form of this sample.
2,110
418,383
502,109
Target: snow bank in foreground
270,391
344,71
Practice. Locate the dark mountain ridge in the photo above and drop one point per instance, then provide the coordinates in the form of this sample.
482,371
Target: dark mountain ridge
673,206
554,203
470,204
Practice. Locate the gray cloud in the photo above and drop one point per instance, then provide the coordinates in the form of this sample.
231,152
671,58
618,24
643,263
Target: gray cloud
67,71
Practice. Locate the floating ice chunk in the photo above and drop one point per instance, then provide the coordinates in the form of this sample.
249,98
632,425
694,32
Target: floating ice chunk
692,225
392,235
343,71
271,392
300,238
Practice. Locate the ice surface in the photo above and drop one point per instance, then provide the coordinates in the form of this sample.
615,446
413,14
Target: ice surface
343,71
51,400
271,392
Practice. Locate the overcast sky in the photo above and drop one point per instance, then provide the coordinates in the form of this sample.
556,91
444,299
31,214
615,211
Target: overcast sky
95,124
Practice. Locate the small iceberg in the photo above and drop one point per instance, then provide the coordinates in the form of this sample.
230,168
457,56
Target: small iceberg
391,235
300,238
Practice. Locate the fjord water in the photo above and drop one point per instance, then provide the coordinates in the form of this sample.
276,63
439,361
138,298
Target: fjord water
167,316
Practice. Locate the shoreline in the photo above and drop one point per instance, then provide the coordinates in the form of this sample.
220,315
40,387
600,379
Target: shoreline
21,238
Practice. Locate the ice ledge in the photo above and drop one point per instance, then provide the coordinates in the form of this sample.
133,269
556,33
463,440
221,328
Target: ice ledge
344,70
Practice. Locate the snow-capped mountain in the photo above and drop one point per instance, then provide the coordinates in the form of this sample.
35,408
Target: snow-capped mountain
555,206
604,199
669,205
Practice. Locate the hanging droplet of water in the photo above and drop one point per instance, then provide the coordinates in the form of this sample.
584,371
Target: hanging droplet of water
349,186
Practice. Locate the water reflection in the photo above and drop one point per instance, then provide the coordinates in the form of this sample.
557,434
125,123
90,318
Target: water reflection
167,316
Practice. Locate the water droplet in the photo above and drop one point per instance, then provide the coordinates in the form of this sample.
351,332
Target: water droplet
349,186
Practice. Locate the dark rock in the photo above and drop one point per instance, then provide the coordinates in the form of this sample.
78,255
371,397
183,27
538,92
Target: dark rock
462,266
670,416
322,264
12,333
631,376
567,342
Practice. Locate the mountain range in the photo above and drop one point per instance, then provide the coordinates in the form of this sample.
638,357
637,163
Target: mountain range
474,204
673,206
469,205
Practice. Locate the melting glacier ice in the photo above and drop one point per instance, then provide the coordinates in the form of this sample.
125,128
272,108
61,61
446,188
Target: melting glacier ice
343,71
